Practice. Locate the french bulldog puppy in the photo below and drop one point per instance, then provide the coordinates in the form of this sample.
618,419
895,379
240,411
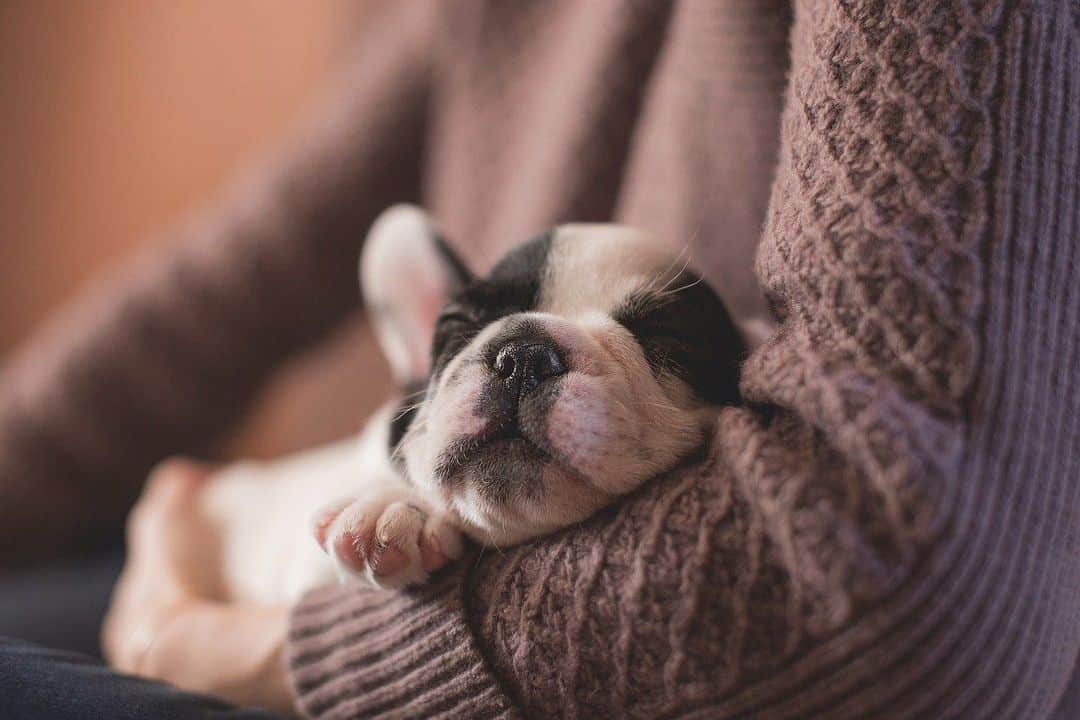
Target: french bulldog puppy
587,361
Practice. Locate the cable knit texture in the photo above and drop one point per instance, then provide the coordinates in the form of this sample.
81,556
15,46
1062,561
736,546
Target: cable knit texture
887,528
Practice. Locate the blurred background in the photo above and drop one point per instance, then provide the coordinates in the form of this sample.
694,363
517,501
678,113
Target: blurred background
119,117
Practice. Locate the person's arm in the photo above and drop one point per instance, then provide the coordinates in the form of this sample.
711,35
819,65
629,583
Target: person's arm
166,354
887,527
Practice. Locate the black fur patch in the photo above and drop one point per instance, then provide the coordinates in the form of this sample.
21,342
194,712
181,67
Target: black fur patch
462,275
687,331
512,287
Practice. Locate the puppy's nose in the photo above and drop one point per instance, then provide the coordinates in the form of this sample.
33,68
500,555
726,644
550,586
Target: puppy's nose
523,365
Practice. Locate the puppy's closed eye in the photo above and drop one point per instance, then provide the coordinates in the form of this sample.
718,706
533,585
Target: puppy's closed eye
654,321
453,315
686,332
454,328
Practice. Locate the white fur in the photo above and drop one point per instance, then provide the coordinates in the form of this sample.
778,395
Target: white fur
593,267
262,513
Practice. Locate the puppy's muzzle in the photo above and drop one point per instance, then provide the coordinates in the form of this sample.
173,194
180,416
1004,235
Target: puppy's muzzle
521,375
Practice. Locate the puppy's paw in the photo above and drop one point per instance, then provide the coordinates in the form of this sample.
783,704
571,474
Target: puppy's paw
386,541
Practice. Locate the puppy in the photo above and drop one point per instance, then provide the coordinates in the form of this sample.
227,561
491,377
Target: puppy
586,361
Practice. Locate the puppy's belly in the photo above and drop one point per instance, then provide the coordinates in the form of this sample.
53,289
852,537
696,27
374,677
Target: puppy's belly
261,513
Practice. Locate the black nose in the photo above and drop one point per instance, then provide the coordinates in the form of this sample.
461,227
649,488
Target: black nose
523,365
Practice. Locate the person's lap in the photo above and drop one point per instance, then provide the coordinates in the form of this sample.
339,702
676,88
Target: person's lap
45,684
61,605
50,619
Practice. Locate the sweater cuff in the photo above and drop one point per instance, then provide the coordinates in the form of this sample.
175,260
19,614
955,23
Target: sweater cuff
358,652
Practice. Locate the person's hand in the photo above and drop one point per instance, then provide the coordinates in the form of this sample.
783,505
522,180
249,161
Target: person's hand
164,624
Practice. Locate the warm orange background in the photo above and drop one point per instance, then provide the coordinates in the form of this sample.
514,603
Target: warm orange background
119,116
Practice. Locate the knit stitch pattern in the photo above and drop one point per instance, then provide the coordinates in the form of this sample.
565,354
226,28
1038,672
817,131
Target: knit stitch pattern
887,527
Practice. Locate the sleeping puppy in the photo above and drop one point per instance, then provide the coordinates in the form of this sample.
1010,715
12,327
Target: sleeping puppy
587,361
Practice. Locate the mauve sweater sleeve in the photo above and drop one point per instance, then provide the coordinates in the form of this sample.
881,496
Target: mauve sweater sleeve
888,527
168,352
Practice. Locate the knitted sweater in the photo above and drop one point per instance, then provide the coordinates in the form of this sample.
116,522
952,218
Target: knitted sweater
888,527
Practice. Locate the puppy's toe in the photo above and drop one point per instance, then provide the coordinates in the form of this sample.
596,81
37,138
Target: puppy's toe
324,518
396,559
440,542
349,538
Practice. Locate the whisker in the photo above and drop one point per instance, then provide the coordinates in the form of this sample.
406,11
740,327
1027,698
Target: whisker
407,409
417,393
662,274
675,276
676,291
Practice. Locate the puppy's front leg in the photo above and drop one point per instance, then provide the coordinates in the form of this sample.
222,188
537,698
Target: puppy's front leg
389,539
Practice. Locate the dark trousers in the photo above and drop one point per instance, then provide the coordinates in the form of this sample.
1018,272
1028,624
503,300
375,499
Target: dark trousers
50,660
61,605
39,683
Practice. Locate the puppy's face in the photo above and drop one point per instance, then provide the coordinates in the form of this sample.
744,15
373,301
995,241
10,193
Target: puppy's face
587,361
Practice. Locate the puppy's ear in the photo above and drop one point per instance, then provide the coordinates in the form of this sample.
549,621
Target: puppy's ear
407,273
